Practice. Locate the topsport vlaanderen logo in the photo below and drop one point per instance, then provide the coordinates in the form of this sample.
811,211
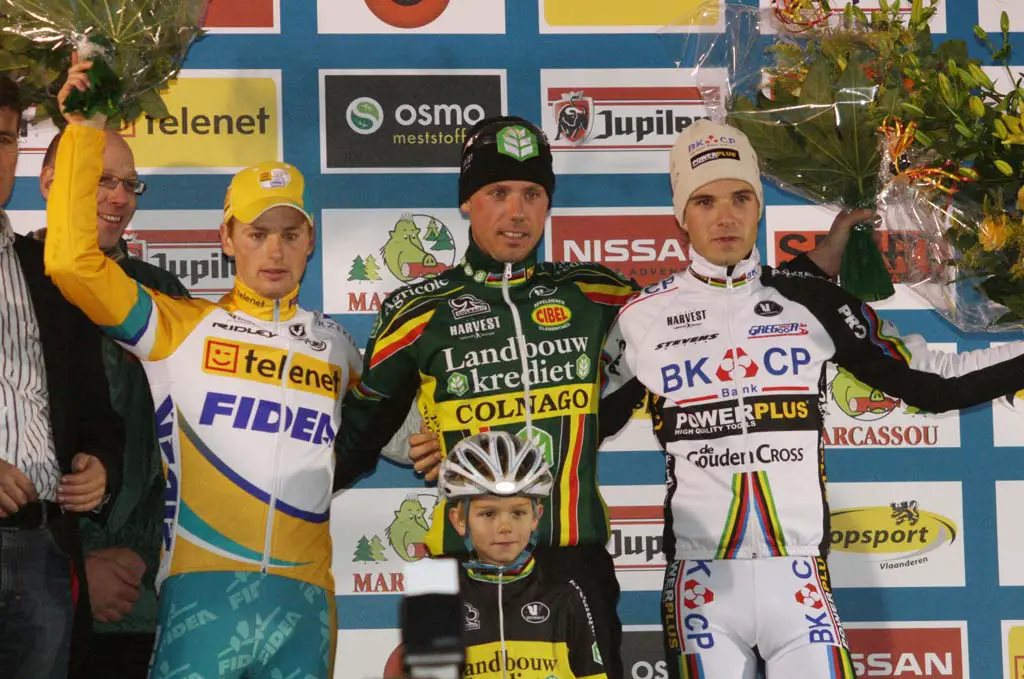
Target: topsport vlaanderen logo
901,534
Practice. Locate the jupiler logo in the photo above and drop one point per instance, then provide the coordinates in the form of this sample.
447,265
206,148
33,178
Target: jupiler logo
574,117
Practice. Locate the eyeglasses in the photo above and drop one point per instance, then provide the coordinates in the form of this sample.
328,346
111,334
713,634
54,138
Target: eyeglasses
136,186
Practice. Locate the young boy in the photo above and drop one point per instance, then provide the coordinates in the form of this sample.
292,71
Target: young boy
516,624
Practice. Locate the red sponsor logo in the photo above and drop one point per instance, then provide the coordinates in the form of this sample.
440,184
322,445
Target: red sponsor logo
636,540
241,14
900,251
928,652
407,13
646,248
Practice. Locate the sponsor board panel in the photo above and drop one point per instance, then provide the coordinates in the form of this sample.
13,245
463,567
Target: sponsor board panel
402,120
1000,77
1013,649
220,122
186,243
937,24
614,16
403,16
1008,418
370,557
896,534
243,16
637,435
860,416
637,521
792,229
1009,510
367,653
640,243
33,140
643,653
620,121
920,648
370,554
164,239
989,12
26,221
369,253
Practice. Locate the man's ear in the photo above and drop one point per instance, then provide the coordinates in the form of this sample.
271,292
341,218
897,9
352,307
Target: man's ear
46,181
226,240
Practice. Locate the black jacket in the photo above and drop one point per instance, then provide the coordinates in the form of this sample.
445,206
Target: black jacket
548,628
81,418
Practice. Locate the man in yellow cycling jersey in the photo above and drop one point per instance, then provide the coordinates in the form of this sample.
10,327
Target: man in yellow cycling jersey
247,395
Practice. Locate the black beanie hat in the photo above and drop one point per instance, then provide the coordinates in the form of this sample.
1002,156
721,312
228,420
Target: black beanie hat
505,148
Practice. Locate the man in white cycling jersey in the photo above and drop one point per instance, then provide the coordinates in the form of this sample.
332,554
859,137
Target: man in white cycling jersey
733,354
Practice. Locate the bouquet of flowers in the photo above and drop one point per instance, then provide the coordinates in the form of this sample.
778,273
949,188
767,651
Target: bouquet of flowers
957,154
811,87
137,46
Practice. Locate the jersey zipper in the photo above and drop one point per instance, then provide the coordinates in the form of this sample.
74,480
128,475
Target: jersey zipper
521,343
272,503
501,627
738,381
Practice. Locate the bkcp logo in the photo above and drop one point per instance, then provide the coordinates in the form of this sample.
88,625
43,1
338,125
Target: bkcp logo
395,121
642,246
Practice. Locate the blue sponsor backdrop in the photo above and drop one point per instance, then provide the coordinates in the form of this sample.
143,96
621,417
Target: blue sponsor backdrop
300,52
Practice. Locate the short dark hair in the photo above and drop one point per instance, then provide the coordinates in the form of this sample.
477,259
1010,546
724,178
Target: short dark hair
10,96
50,157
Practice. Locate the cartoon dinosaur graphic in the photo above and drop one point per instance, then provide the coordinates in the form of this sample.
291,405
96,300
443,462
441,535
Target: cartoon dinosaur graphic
409,529
404,254
860,401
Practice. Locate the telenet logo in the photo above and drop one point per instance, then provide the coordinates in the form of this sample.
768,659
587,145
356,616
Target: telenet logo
1015,648
220,121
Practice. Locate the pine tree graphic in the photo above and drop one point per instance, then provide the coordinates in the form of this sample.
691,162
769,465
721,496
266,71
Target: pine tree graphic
372,269
363,552
358,270
432,230
444,240
377,549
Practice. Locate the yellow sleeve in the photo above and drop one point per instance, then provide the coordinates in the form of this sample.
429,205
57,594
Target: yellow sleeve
147,323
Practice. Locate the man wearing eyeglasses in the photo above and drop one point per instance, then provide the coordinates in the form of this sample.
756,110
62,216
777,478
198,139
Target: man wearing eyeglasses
122,551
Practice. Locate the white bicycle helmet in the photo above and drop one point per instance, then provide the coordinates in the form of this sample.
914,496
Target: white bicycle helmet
494,463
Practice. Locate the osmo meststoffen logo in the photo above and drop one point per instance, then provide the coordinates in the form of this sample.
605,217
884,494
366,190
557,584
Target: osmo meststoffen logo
403,121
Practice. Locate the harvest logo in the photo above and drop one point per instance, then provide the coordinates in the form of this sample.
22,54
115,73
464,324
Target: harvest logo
902,534
219,121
